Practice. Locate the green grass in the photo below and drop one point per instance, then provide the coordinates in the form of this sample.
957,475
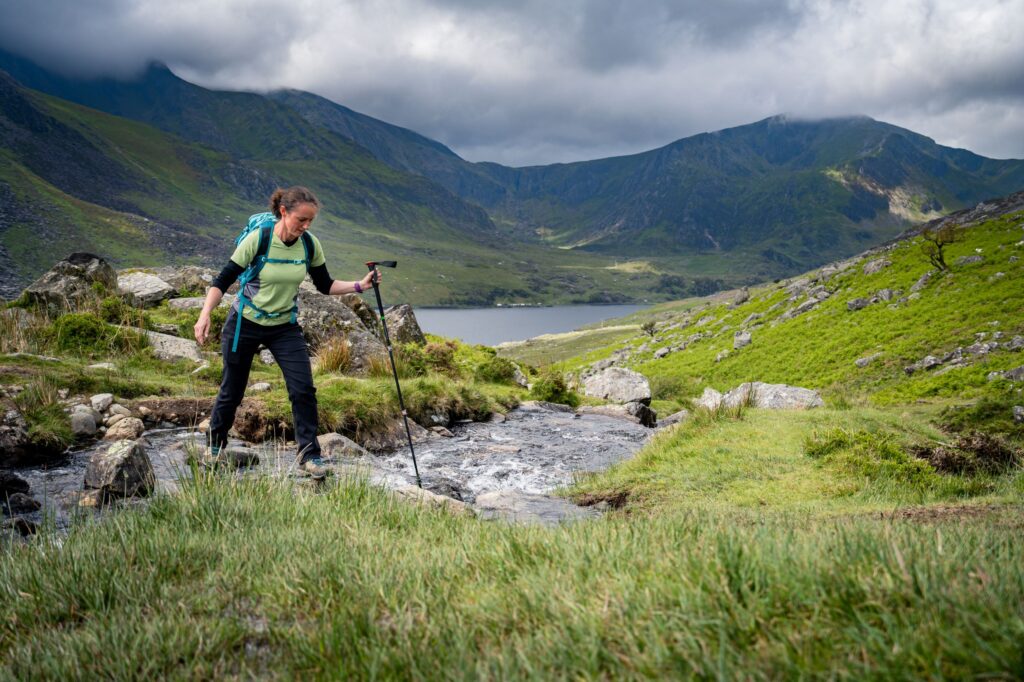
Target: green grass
760,461
271,579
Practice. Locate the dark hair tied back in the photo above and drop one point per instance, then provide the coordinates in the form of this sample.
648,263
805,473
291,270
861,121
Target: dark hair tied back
290,198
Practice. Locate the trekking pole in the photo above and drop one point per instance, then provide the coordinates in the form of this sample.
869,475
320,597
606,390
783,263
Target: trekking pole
394,369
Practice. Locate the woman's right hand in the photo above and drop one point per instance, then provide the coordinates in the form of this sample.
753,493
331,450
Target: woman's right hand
202,328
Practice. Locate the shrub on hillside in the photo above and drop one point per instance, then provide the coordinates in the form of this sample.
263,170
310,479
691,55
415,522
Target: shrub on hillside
872,455
86,334
993,415
550,387
496,370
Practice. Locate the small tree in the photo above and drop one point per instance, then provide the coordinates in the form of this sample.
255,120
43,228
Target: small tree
648,328
937,240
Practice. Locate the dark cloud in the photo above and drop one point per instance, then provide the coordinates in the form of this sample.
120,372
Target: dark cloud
539,81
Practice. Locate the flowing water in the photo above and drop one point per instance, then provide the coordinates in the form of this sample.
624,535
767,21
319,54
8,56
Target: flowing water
535,450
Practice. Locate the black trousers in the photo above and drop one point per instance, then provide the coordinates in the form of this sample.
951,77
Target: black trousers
286,343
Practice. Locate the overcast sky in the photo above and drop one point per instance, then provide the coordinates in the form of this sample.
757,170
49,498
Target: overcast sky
540,81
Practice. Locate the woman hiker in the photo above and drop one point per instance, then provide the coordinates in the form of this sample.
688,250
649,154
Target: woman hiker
268,312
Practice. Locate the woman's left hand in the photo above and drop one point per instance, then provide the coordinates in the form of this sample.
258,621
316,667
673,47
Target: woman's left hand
367,281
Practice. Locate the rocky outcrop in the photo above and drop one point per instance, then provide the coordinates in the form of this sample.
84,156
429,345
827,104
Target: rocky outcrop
324,317
143,290
402,325
71,281
121,470
618,385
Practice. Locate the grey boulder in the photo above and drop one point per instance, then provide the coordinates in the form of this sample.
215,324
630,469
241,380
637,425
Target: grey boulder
121,470
402,325
144,290
71,280
773,396
618,384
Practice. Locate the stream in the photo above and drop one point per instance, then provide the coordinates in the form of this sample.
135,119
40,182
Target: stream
506,469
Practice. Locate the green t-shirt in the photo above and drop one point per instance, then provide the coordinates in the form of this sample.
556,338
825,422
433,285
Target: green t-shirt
277,285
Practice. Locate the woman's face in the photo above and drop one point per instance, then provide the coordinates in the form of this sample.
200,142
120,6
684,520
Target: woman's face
297,220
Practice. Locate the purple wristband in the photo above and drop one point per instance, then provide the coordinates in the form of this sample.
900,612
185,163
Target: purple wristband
359,289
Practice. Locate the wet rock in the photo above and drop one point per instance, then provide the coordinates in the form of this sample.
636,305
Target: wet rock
969,260
618,384
402,325
542,405
71,281
101,402
710,399
497,418
393,436
674,418
519,507
867,360
129,428
20,503
167,347
144,290
336,445
24,527
411,493
11,483
636,412
121,470
83,424
773,396
877,265
741,339
15,442
441,431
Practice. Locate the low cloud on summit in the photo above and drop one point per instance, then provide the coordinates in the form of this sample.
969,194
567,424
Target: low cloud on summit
539,81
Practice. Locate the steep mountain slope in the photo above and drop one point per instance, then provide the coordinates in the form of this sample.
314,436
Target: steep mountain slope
76,179
789,193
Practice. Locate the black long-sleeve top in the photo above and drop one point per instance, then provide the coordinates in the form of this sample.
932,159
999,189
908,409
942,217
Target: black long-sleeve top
321,278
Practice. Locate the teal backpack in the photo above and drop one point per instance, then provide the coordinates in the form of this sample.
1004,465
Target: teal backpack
264,222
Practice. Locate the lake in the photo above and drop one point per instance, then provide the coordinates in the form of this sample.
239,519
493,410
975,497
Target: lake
491,326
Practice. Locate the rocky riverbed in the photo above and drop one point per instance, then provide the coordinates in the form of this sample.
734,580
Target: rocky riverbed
505,468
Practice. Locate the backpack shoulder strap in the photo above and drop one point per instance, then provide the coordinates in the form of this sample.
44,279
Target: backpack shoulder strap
307,243
266,236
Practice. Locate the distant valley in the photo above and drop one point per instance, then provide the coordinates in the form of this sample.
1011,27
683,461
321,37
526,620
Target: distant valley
157,169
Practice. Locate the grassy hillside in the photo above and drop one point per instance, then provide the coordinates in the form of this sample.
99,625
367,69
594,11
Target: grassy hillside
979,300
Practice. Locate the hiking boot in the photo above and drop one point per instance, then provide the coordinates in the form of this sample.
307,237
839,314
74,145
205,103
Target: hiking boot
314,467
